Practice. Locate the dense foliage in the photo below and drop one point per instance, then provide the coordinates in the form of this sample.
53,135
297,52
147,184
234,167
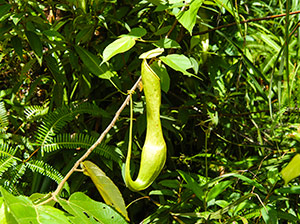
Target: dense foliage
229,77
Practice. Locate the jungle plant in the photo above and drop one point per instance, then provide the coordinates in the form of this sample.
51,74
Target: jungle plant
154,151
229,106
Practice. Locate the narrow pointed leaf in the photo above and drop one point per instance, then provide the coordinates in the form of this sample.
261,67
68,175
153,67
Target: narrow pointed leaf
192,184
17,44
35,43
106,187
92,62
152,53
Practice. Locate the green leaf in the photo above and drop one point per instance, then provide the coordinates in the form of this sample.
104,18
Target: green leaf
246,179
292,170
178,62
4,9
2,211
287,216
269,215
188,18
137,32
218,189
17,44
85,35
167,43
152,53
226,4
35,43
21,210
53,66
53,35
243,178
92,62
218,214
289,190
106,187
192,184
163,192
120,45
162,73
86,210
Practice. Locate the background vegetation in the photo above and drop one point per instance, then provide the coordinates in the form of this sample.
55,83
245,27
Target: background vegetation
229,112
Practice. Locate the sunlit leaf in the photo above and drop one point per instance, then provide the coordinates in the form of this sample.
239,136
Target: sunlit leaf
178,62
137,32
152,53
120,45
292,170
218,189
167,43
2,211
22,210
226,4
106,187
87,211
188,18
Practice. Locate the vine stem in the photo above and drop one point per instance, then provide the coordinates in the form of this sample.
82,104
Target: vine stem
246,21
99,140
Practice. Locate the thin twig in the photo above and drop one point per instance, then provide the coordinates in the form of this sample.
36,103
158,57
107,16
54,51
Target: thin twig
175,23
246,21
88,152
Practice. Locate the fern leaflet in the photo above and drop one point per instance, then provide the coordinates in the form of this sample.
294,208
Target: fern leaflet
6,163
56,120
44,169
35,111
7,151
75,141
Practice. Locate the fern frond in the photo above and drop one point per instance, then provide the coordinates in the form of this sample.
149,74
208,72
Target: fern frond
56,120
12,176
35,111
6,163
110,152
44,169
83,141
17,172
88,108
7,151
7,185
3,118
